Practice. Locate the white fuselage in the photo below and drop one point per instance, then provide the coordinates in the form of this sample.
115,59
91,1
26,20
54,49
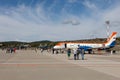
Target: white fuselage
110,43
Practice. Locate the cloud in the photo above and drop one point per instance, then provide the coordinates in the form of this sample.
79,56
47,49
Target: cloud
113,16
90,5
72,1
22,22
39,22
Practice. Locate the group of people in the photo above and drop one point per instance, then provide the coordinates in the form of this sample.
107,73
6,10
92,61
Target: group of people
77,52
10,50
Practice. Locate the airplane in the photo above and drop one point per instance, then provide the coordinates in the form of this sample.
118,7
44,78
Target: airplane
43,48
88,46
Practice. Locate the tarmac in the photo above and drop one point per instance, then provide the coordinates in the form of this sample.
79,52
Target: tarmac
31,65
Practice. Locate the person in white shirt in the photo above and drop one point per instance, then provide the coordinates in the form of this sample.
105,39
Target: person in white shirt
75,53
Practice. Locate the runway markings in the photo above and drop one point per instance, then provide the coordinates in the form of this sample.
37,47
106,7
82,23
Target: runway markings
59,64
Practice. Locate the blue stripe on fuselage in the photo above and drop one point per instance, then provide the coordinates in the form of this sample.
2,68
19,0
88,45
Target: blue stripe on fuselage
85,47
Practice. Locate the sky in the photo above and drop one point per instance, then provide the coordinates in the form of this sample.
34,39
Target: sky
57,20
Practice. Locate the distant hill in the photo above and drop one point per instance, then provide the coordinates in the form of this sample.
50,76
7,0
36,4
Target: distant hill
118,41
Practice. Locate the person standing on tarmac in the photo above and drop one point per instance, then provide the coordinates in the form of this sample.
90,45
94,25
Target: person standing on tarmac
82,52
53,50
78,53
75,53
68,53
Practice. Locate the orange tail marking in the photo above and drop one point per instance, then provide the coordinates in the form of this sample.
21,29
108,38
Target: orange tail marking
111,36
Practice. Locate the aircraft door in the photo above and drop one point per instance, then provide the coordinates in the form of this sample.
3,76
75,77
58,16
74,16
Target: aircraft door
65,45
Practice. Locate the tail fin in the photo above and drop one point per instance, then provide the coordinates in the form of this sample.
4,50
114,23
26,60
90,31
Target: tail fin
111,40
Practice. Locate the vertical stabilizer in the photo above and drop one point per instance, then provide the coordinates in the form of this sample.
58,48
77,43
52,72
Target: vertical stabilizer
111,40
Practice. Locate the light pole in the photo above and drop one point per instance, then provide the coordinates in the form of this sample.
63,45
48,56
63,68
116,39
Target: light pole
108,28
